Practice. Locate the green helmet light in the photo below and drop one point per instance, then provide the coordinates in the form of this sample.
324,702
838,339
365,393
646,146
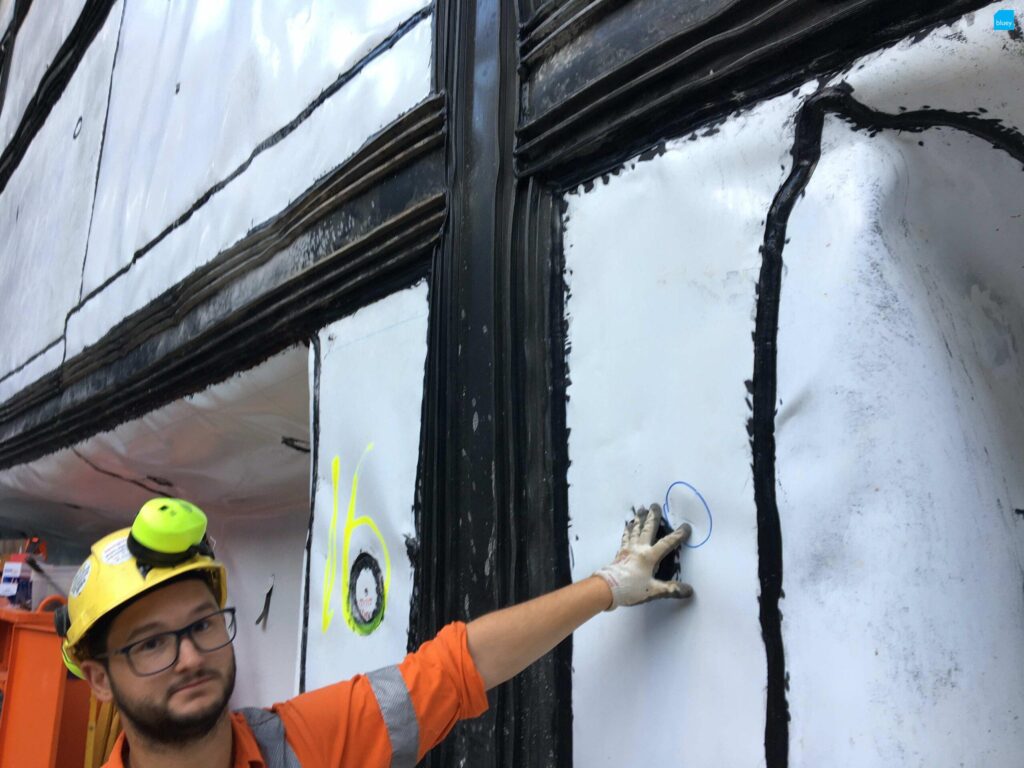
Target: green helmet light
167,532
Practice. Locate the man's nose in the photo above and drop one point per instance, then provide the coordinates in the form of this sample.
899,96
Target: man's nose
188,655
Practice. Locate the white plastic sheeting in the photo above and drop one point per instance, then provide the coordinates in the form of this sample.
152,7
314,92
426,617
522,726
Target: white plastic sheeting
39,363
899,428
133,206
662,264
221,448
901,437
260,553
6,15
44,213
44,30
370,396
199,85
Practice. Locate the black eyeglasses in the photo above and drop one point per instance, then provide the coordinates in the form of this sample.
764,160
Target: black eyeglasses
156,653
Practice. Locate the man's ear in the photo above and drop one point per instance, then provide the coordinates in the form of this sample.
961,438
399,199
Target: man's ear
98,677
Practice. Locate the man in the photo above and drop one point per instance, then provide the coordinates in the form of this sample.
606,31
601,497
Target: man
147,625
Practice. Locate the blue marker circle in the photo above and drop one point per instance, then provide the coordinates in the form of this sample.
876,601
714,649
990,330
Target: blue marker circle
702,500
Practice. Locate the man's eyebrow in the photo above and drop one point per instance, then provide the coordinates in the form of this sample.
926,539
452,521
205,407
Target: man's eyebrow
153,627
157,627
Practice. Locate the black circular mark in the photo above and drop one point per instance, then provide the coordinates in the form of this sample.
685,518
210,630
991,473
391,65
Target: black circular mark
78,128
366,596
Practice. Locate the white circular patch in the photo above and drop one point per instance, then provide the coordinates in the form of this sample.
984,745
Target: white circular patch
80,578
116,552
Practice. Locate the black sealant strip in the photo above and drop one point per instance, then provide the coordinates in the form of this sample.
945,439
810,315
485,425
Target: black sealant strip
52,85
315,341
99,164
705,73
108,473
378,164
32,359
7,42
385,45
806,151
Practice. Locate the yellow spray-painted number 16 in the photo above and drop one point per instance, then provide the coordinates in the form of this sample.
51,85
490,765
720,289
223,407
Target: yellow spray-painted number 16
361,617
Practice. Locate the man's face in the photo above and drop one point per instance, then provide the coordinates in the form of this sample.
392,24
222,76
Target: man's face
184,702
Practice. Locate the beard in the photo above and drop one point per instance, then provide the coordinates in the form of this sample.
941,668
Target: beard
155,722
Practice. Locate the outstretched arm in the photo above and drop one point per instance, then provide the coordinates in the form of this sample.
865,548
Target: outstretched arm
505,642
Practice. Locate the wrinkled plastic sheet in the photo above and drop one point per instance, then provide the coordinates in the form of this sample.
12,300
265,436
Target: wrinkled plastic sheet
44,217
199,86
386,87
44,30
662,263
899,427
6,16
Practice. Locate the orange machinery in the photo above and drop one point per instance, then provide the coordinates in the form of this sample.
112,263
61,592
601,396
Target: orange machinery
44,715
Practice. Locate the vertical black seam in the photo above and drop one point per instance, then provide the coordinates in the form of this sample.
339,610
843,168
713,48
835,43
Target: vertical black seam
763,387
99,164
314,479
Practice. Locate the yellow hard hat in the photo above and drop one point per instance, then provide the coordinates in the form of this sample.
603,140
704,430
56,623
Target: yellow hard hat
167,539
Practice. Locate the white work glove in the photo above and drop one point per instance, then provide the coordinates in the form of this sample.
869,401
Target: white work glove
631,573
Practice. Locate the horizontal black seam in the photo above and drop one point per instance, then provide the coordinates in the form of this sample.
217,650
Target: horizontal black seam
550,30
417,132
725,34
264,145
32,359
399,253
266,240
570,151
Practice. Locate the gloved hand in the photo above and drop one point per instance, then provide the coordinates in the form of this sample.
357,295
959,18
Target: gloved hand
631,573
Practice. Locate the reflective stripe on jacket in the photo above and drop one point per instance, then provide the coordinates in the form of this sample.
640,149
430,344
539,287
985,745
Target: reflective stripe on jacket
395,707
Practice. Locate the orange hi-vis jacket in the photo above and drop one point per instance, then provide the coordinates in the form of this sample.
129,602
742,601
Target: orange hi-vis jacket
369,721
